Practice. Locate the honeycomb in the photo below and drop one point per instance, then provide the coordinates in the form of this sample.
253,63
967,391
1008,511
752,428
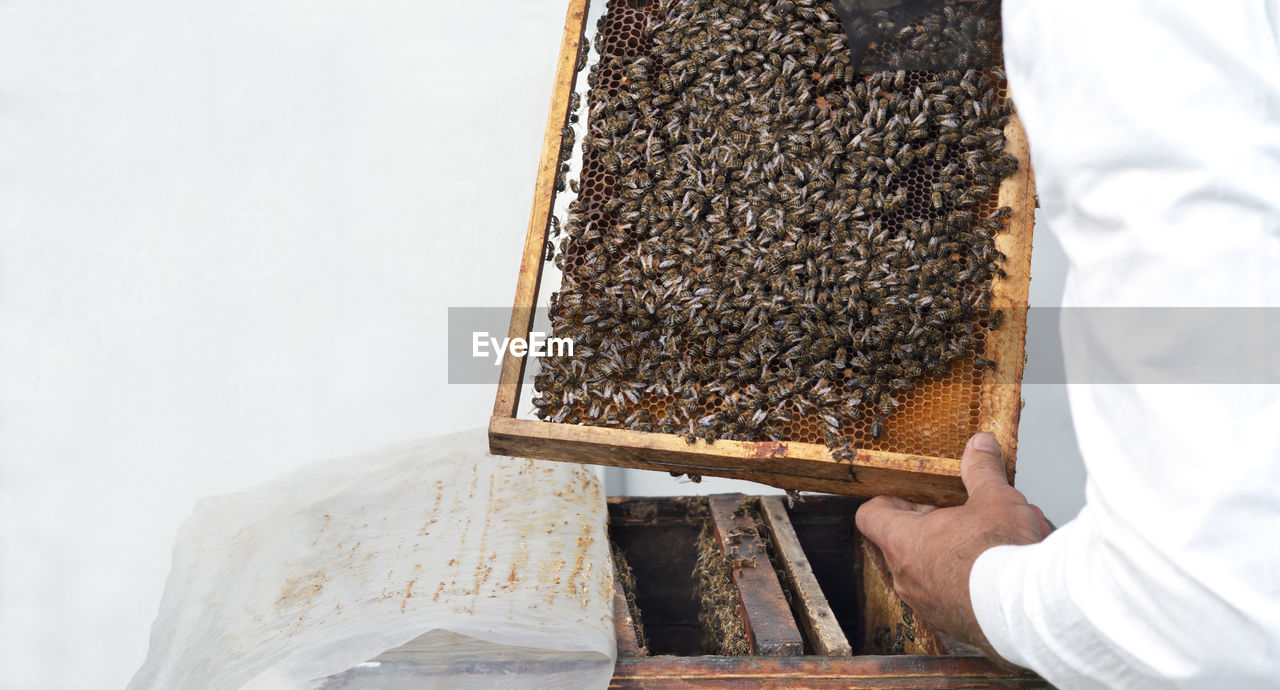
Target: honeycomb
934,418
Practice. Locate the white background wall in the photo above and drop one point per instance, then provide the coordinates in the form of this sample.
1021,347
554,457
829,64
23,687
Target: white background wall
229,232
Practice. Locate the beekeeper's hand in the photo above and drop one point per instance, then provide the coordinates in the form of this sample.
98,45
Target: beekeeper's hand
930,550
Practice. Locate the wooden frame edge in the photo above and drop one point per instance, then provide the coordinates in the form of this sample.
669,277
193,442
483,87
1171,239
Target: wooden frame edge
509,381
902,671
811,466
1002,391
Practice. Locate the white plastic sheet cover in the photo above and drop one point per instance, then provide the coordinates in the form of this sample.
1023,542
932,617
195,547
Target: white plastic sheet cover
298,583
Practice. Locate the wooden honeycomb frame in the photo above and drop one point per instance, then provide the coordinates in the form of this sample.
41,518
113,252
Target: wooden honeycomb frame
785,464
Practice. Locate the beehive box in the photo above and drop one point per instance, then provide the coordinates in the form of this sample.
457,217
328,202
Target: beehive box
815,603
814,598
916,459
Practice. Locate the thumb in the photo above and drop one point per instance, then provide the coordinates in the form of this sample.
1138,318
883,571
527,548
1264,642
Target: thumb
982,469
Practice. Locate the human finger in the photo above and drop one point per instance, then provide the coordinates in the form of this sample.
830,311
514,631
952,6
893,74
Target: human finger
876,519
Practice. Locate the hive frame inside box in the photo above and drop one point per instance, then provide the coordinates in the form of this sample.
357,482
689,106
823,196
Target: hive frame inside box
814,598
785,464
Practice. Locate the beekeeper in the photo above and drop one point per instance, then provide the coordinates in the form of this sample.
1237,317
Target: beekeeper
1155,136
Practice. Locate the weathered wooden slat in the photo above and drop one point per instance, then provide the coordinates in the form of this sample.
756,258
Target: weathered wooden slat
624,625
815,614
800,466
770,626
543,196
810,672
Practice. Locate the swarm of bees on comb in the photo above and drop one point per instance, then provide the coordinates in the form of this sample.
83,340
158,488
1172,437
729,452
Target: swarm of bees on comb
783,235
723,630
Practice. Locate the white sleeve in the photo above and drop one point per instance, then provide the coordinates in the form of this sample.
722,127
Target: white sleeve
1155,134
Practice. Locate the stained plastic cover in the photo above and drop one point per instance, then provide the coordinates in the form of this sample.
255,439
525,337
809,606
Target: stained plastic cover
477,571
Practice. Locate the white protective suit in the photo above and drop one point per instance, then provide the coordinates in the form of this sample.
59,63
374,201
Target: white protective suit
1155,136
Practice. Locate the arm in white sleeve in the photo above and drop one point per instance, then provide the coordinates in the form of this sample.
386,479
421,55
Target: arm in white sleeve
1155,133
1170,575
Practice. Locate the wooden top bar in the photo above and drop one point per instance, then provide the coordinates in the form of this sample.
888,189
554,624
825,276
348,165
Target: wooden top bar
770,627
814,612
